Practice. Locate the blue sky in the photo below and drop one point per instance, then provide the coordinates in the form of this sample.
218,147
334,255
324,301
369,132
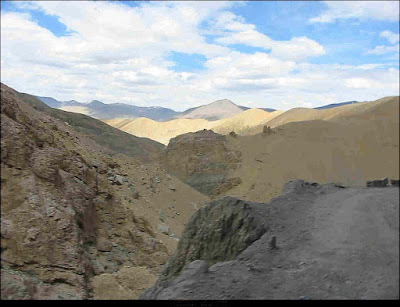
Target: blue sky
278,54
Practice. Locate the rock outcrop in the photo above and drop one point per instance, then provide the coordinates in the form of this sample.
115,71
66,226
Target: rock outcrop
63,225
202,160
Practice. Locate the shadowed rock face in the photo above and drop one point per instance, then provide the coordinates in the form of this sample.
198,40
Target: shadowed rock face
61,221
314,241
202,160
217,232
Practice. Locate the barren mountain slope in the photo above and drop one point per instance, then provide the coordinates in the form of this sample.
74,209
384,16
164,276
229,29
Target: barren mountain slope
380,109
77,222
312,242
216,110
244,121
351,151
351,111
319,151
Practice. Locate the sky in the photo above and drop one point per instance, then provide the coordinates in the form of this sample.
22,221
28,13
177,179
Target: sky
182,54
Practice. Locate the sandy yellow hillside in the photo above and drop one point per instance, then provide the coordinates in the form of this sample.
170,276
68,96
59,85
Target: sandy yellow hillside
350,148
163,131
159,131
118,122
242,122
76,109
347,111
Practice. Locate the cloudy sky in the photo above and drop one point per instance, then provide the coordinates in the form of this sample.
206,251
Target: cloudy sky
183,54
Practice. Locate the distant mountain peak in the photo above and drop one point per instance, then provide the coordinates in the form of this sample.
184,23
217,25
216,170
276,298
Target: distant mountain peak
223,101
94,102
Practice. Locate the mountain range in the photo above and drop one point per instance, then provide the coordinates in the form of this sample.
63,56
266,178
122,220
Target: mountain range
219,109
100,110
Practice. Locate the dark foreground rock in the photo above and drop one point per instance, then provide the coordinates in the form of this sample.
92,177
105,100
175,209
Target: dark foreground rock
379,183
314,241
394,182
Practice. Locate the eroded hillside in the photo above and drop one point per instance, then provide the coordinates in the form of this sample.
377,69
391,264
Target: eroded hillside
76,222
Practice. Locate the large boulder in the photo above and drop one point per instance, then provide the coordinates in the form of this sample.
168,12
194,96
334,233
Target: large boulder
217,232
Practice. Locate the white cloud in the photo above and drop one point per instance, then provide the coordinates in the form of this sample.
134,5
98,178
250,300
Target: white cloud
238,32
116,53
384,50
379,10
362,83
393,38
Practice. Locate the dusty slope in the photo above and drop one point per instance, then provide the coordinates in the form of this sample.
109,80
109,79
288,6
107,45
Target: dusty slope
351,150
346,111
164,131
76,222
244,121
332,243
316,150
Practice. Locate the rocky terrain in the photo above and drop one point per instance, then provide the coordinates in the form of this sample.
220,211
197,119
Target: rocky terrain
91,212
202,160
313,242
77,222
